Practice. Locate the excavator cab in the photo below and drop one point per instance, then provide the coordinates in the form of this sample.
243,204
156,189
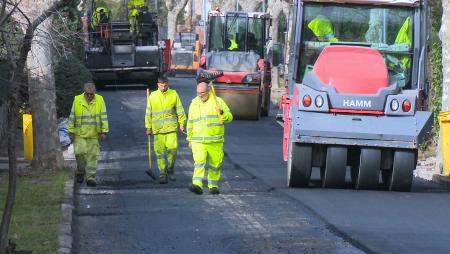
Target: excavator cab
356,79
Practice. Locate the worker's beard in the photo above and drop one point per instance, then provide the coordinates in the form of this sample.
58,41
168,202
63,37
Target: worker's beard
204,98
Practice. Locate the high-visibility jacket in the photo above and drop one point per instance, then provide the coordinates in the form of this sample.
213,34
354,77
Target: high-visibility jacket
101,16
322,29
135,4
233,44
404,36
87,120
164,112
205,125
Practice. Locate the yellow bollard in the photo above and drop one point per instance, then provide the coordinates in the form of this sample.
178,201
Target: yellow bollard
444,123
27,137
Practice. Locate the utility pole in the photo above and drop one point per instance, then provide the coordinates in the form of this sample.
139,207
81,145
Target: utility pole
237,5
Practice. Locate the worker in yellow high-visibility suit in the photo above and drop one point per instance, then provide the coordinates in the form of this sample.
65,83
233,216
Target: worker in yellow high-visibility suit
163,116
88,122
233,44
322,28
404,36
134,7
205,133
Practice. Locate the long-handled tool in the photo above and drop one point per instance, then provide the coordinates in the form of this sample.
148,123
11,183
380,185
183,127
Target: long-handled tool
150,171
211,76
149,143
215,98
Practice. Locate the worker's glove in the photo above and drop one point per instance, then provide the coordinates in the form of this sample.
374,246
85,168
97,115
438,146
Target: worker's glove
149,132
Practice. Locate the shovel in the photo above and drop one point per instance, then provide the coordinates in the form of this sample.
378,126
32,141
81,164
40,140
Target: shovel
149,172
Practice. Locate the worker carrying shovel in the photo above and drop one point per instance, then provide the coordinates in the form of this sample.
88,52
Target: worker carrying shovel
164,115
205,134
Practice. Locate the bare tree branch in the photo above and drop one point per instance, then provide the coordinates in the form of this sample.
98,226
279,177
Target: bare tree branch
4,17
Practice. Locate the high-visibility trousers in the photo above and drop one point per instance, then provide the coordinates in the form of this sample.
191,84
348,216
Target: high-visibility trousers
211,153
133,13
166,147
86,153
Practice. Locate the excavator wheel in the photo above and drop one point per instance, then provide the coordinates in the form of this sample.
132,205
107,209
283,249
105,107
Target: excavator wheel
402,170
366,173
299,164
333,175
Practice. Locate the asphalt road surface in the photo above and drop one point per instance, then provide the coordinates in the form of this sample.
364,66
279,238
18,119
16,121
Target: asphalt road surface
255,213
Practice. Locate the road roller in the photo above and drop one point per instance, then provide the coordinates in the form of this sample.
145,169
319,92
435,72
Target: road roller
354,111
236,43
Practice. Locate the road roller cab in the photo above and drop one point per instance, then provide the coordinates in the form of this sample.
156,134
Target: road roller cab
236,45
354,103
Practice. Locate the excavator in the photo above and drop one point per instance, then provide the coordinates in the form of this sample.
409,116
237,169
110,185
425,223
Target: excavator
357,80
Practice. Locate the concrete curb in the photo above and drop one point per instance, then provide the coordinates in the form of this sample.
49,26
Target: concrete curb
65,237
65,230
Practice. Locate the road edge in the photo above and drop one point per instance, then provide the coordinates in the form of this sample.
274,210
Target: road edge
65,229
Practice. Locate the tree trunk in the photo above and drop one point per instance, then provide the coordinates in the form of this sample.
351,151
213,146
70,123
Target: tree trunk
17,83
189,19
41,87
276,8
250,5
13,112
174,8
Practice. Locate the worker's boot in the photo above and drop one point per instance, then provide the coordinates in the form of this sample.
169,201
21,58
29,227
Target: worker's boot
80,176
214,191
196,189
163,178
91,182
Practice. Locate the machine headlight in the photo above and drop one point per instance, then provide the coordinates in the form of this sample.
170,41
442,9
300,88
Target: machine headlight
394,105
319,101
252,78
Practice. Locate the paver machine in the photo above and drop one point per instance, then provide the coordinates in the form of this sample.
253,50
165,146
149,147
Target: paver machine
122,44
356,82
236,45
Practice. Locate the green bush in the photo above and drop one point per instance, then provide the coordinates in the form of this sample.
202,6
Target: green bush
70,75
435,62
70,71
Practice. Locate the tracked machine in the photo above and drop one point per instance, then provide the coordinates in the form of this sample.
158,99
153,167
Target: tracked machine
356,85
236,45
122,44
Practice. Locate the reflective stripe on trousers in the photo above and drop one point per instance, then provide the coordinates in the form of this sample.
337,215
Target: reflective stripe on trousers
211,153
166,147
